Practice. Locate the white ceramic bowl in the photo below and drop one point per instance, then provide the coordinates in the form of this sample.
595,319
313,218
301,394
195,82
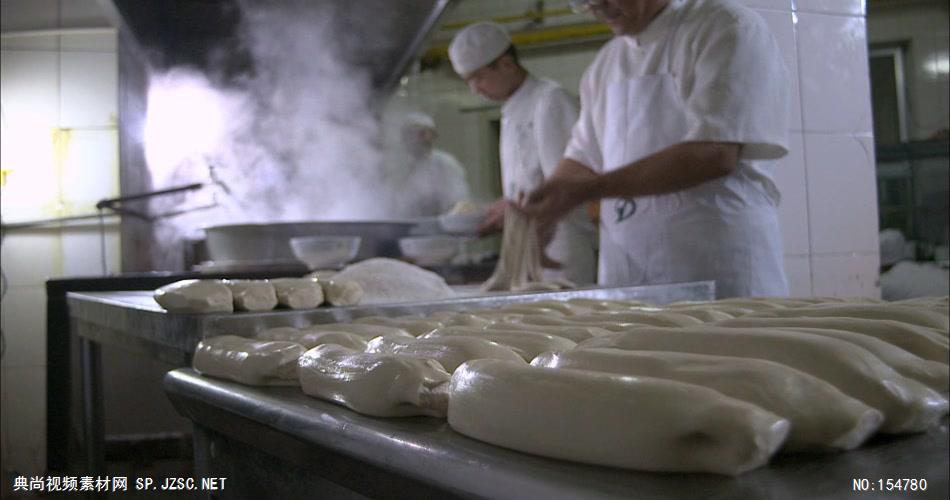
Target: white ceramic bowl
430,250
322,252
461,223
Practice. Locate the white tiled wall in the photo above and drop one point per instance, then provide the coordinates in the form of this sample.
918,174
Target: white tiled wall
842,197
60,153
833,62
829,207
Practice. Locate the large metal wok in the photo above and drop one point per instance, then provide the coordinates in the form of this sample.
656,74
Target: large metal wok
270,242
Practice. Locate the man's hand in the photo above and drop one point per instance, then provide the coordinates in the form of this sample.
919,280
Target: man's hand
494,220
553,200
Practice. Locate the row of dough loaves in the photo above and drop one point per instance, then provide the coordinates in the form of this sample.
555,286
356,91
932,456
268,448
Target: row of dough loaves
371,281
206,296
690,387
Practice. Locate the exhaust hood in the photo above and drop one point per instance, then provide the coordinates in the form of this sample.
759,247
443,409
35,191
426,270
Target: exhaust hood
206,34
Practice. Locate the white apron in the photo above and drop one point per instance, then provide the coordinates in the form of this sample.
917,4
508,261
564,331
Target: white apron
724,230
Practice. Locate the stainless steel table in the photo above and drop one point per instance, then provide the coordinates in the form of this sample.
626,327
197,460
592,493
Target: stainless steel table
133,321
280,443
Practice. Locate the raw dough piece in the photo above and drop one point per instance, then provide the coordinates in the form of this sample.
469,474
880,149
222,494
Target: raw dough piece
907,405
415,325
310,339
704,314
822,417
613,326
598,418
195,296
450,352
756,304
452,318
566,308
939,304
494,316
923,342
278,333
298,293
365,331
252,295
906,314
930,373
519,264
575,333
526,310
607,305
734,311
381,385
656,318
526,344
248,361
342,293
389,280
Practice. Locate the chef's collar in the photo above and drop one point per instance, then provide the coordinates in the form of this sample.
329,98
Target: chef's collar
523,90
659,27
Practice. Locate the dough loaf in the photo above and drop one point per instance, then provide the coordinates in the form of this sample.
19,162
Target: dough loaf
604,419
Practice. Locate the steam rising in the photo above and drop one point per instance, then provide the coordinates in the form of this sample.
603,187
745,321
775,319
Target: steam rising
297,140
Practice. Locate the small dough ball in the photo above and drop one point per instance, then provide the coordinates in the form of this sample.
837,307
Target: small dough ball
298,293
342,293
195,296
252,295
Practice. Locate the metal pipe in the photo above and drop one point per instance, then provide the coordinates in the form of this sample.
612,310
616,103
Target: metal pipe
58,32
107,203
55,220
573,32
531,15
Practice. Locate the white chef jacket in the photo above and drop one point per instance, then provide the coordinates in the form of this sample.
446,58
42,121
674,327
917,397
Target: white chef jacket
728,73
435,184
536,124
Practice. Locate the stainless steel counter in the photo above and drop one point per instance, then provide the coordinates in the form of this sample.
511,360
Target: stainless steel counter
322,441
133,321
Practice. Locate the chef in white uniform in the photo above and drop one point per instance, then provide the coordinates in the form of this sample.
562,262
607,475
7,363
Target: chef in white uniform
536,121
680,114
435,180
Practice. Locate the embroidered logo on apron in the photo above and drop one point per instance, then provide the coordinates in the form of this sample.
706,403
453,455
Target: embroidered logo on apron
624,208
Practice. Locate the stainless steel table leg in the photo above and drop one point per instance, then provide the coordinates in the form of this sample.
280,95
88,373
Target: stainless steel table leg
93,428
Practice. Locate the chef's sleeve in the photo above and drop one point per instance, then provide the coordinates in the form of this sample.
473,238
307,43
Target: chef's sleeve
740,90
583,146
554,117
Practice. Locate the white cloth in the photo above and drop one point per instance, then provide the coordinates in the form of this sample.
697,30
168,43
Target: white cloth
703,70
908,280
434,185
536,124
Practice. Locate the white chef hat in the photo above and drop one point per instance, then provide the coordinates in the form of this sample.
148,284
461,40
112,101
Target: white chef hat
892,246
476,46
419,119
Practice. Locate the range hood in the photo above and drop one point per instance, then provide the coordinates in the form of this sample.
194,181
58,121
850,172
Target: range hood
206,34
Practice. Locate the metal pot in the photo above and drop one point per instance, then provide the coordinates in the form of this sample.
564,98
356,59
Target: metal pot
271,242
